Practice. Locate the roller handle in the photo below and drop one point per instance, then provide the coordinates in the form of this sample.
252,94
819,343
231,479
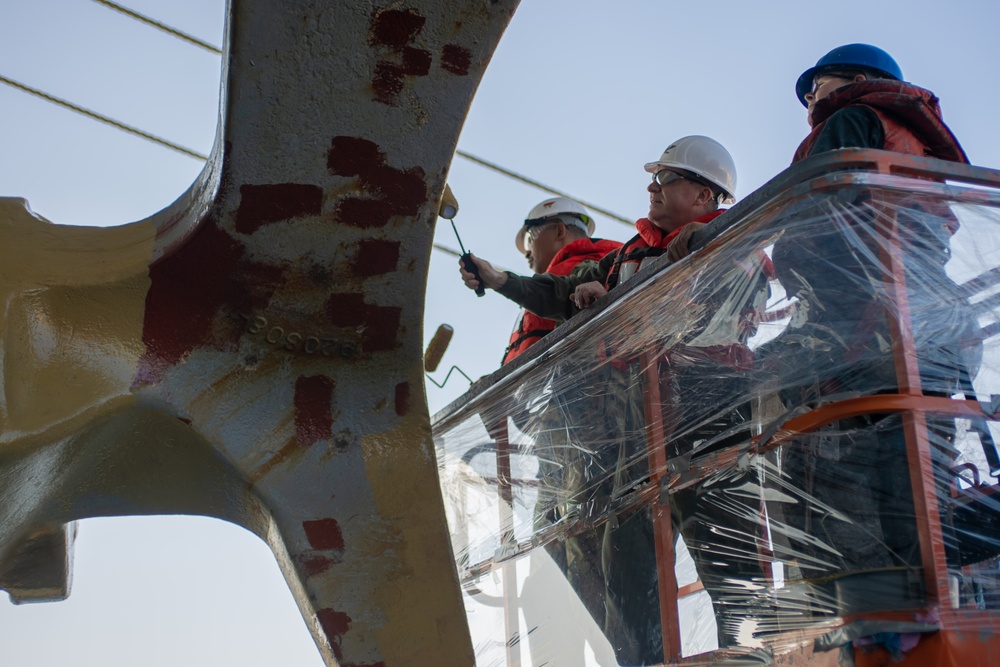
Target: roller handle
471,267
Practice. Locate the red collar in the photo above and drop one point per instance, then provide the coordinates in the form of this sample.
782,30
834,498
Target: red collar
658,238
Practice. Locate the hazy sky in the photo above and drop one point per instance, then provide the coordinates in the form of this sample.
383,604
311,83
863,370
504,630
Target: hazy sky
580,94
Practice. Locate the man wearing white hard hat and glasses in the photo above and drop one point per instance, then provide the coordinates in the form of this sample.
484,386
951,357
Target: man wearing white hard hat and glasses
692,178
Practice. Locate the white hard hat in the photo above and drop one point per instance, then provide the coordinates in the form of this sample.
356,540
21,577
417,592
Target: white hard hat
704,157
568,211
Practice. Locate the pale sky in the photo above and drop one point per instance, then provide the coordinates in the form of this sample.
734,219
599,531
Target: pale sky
580,94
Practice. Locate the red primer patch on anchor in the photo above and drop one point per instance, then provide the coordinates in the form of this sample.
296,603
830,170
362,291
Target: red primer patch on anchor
324,534
190,288
397,191
316,565
266,204
456,59
313,409
376,257
402,402
364,213
350,156
403,189
395,28
335,625
380,323
387,83
416,62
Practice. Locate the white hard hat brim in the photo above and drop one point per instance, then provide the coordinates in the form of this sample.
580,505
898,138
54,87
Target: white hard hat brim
653,167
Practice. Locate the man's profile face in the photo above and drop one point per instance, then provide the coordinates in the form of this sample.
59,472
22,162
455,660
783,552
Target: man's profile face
671,206
825,85
542,242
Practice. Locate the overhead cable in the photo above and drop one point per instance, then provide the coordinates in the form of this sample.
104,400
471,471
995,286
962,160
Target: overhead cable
160,26
454,253
104,119
542,186
139,133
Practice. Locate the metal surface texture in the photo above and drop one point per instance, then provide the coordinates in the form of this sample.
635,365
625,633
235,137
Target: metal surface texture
253,353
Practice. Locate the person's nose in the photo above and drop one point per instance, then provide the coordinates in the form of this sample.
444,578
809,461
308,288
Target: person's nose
653,186
810,97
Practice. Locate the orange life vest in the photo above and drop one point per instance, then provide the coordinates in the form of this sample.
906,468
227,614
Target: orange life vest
910,116
649,243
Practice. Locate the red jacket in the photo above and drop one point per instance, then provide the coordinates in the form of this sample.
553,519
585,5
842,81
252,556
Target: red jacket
910,116
530,327
651,241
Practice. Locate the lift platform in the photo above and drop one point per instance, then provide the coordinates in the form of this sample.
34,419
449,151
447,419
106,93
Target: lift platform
740,460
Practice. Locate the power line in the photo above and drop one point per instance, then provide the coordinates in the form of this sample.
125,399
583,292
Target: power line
139,133
542,186
104,119
160,26
454,253
199,156
446,250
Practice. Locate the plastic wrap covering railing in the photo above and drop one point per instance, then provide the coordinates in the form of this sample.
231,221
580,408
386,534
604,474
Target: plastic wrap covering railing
781,445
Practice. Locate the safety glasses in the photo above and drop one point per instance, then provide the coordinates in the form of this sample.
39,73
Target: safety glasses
534,231
666,177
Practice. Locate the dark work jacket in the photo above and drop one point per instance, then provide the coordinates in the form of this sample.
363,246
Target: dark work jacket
910,117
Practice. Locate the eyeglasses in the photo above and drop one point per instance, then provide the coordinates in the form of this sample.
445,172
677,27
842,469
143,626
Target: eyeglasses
666,177
533,232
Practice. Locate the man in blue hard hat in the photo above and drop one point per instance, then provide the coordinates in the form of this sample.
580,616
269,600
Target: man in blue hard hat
839,342
856,98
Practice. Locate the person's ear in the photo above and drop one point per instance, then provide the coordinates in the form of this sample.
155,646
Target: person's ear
561,231
859,77
704,195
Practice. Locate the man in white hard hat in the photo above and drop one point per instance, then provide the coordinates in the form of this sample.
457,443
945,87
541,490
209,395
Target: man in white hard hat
555,238
836,345
692,178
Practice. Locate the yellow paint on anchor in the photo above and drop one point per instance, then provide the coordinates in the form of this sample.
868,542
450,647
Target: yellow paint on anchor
402,469
73,302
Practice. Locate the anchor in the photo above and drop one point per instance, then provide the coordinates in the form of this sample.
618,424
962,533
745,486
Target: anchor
253,352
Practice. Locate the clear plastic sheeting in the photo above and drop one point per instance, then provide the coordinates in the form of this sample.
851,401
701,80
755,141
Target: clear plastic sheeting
783,444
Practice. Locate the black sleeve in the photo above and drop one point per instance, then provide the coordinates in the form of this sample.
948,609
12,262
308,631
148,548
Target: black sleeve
543,294
547,295
851,127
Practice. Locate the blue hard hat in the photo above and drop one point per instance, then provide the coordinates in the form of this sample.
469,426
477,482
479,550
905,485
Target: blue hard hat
849,56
